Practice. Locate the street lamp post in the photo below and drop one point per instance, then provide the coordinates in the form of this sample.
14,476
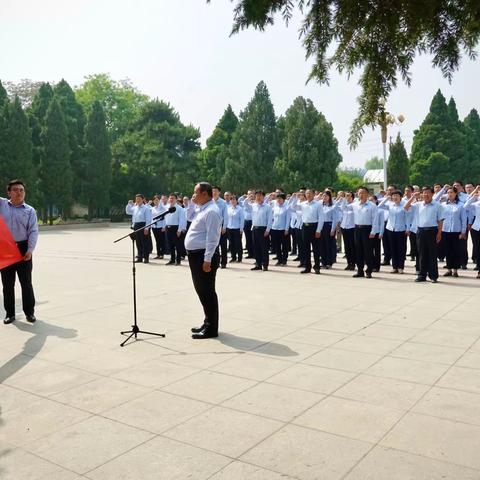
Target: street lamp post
384,120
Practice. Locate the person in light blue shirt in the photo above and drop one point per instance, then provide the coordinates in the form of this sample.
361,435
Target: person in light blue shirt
473,203
281,228
454,230
201,243
397,226
21,221
235,226
175,224
327,239
312,225
377,234
141,216
347,227
158,228
429,217
262,220
222,206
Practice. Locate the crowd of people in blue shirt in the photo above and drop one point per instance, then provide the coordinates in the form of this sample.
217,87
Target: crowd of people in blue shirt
433,223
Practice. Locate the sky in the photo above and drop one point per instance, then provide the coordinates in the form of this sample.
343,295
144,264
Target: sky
181,51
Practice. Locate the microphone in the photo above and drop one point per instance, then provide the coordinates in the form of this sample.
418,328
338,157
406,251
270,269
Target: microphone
164,214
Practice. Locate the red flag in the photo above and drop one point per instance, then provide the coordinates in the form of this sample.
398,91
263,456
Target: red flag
9,252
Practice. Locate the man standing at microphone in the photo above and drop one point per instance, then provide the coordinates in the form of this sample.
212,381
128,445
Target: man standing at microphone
201,244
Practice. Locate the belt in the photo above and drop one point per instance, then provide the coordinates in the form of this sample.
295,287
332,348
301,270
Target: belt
172,226
310,224
362,226
255,228
193,252
427,229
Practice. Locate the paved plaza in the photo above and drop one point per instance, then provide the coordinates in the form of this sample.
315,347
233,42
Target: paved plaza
312,377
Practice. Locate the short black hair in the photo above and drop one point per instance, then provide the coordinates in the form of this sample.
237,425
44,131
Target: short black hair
206,187
427,187
397,192
141,195
216,187
173,195
259,192
16,181
459,182
281,195
410,187
363,188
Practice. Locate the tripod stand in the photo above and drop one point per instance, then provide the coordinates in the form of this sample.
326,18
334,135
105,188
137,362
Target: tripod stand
135,329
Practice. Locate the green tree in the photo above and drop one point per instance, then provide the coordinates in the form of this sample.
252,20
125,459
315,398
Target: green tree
438,133
97,162
381,39
55,167
398,164
75,122
348,179
16,147
214,156
471,126
25,90
157,154
435,168
255,145
309,154
3,96
374,163
121,101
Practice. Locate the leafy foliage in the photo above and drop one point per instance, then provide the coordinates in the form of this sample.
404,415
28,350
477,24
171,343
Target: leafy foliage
381,39
398,164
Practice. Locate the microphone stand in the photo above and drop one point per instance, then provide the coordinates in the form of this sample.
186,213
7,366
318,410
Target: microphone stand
135,330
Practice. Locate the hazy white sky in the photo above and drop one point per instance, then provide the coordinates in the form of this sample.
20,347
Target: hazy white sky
180,51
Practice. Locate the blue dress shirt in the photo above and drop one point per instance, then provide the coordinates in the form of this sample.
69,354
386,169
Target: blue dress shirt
222,207
427,214
281,216
178,217
312,212
236,218
363,213
455,218
205,230
22,222
261,214
398,220
158,210
473,203
140,213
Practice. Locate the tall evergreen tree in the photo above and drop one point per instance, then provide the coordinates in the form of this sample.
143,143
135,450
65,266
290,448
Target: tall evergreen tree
55,167
471,126
75,121
214,156
16,149
97,161
438,133
255,145
3,96
309,148
398,165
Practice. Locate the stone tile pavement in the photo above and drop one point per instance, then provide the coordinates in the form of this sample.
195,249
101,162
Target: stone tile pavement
311,378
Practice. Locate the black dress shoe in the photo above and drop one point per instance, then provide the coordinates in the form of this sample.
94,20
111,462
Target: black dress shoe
198,329
307,270
278,264
448,274
249,256
204,334
138,260
317,271
265,269
256,267
358,275
146,260
420,279
368,275
31,318
232,260
223,266
433,280
385,263
170,263
178,263
296,259
9,319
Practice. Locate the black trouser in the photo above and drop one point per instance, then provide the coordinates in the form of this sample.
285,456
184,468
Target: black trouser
300,246
247,229
441,250
175,243
223,249
142,241
204,283
464,250
292,245
427,252
159,241
398,246
376,252
453,250
280,241
24,271
364,248
387,248
260,246
311,243
476,246
235,241
413,245
349,243
326,244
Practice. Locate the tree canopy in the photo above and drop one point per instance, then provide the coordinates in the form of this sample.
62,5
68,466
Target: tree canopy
380,39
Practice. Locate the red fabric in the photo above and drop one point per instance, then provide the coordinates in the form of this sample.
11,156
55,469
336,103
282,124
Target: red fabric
9,252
